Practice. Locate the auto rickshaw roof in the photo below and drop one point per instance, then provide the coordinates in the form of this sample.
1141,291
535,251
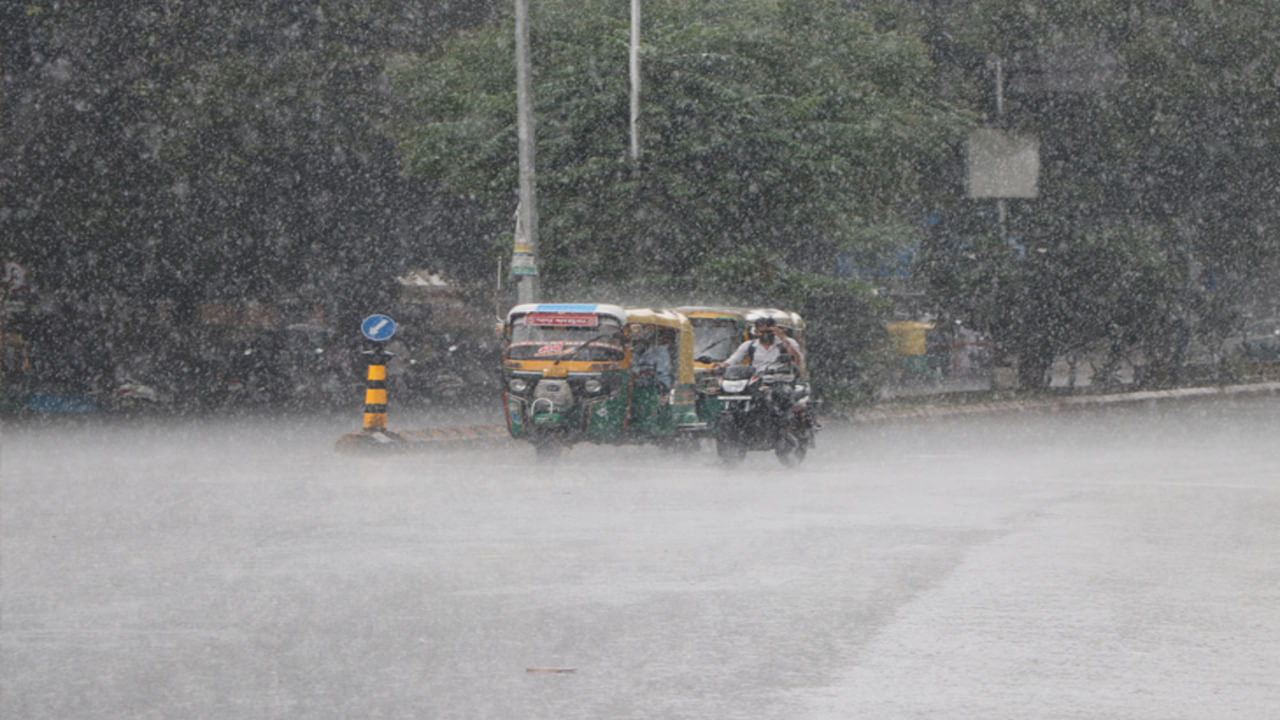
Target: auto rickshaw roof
785,318
569,309
659,316
738,313
713,310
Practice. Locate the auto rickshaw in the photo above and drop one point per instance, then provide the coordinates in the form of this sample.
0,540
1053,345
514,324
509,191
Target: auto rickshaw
717,332
573,373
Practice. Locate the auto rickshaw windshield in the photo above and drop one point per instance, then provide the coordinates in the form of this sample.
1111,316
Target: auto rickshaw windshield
545,341
716,339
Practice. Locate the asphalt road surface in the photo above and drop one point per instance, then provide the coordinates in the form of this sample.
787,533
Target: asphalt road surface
1117,564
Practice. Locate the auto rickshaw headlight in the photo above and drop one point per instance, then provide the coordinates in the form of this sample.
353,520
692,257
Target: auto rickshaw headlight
592,385
518,385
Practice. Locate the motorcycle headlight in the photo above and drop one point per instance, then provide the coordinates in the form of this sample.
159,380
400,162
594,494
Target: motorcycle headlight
518,385
592,385
734,386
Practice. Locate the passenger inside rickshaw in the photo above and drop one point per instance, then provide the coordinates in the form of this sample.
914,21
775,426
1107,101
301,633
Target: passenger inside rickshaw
538,336
651,358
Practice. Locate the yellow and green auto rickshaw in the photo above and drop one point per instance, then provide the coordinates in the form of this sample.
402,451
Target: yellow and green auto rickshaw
718,330
598,373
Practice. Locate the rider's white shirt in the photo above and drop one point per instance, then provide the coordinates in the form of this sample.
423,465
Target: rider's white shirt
763,355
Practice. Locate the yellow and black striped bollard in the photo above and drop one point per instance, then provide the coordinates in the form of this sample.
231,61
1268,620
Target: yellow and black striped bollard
375,391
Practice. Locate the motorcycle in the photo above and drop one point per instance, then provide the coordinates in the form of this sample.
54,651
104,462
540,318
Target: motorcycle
764,409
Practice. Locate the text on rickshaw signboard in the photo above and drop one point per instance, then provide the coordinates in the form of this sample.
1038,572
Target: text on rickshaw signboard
561,320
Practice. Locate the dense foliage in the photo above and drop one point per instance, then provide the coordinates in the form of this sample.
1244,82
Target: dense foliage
775,136
186,151
168,153
1155,230
772,130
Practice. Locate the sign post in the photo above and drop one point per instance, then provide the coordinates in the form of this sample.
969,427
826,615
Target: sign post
377,329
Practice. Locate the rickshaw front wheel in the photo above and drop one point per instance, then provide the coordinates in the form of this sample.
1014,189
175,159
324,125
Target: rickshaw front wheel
548,448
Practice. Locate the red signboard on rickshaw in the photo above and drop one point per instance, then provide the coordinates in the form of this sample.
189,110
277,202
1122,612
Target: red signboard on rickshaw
561,320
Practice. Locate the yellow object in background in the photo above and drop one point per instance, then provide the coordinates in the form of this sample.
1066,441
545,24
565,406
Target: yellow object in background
909,336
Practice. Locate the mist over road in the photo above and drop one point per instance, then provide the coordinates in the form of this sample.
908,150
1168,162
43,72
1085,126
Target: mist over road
1091,565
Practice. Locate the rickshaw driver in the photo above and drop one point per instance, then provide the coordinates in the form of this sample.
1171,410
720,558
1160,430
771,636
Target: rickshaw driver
765,347
651,356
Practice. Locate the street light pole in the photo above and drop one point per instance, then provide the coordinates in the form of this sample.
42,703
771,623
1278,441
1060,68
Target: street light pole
527,212
1002,205
635,81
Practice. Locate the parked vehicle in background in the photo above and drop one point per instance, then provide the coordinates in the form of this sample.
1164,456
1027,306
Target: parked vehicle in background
15,372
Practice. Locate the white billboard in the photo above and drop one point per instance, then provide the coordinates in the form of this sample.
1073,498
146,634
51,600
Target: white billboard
1002,164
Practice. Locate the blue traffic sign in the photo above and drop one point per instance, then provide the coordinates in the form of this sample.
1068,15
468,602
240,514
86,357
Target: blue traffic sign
378,328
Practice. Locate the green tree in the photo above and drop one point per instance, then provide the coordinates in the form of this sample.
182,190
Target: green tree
774,129
169,152
1158,163
775,135
181,151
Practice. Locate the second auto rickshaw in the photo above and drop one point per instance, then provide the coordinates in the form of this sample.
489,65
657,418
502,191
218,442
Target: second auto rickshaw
717,332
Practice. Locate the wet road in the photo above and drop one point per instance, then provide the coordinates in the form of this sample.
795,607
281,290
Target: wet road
1096,565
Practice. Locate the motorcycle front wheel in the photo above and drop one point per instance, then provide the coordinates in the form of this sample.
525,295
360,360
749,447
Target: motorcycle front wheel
790,449
730,452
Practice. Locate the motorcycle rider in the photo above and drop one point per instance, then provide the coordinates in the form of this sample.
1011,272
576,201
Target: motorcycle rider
768,346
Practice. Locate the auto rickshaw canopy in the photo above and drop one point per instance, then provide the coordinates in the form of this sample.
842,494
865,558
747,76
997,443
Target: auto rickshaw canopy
678,327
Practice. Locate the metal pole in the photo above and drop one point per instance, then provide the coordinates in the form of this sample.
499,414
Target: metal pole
1002,219
635,80
4,293
1002,207
1000,91
527,290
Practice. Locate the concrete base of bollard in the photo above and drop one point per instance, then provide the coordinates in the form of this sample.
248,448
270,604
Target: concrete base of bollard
380,441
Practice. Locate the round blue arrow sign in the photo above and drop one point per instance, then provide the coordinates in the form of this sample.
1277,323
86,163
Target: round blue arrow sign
378,328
